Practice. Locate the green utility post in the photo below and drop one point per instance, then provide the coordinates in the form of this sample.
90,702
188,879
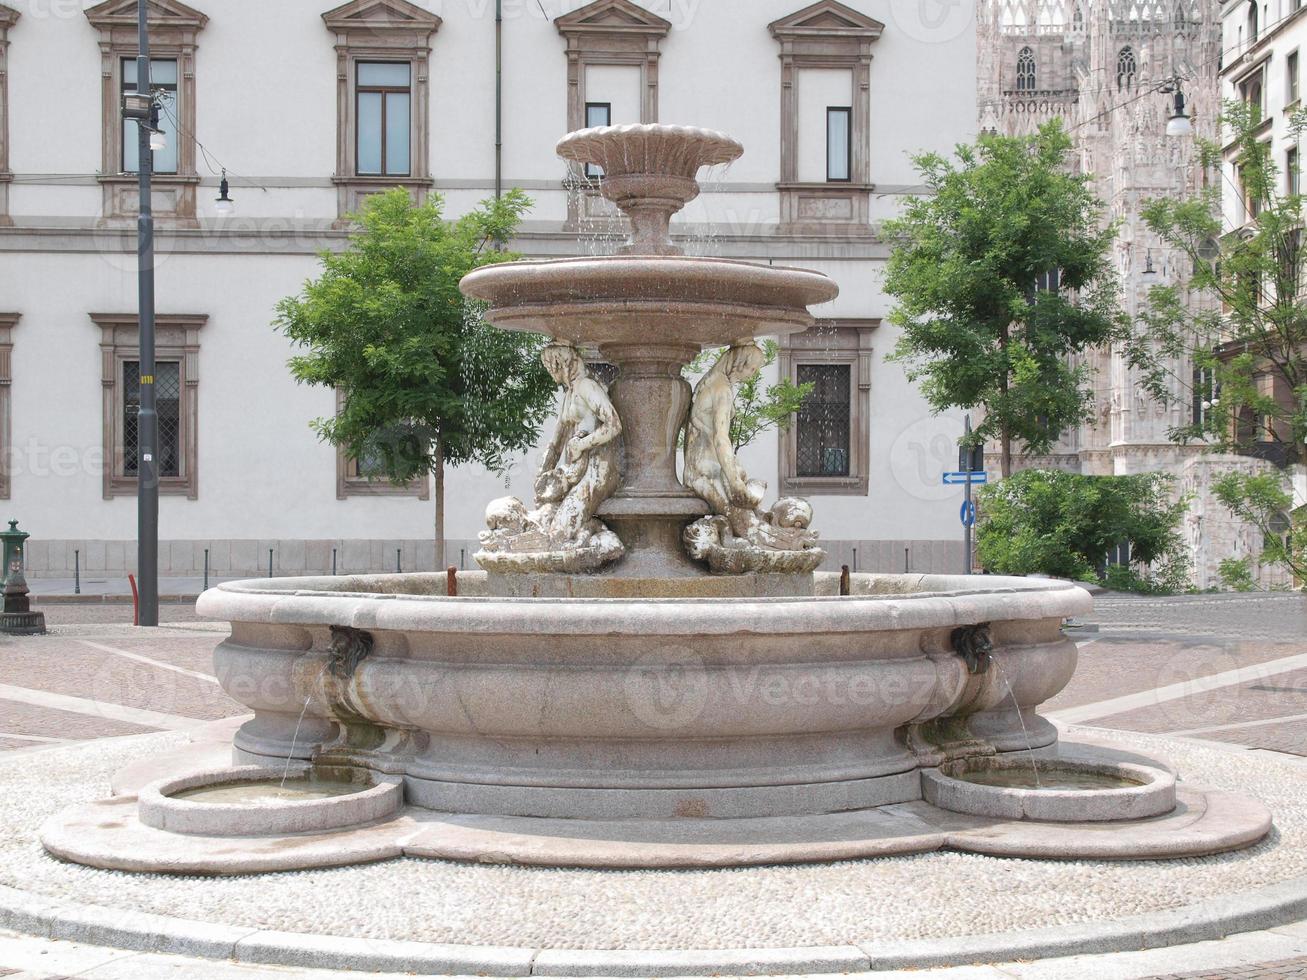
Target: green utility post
17,617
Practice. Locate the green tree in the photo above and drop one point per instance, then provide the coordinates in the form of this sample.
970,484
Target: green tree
758,407
1241,360
1265,502
1000,274
425,381
1064,524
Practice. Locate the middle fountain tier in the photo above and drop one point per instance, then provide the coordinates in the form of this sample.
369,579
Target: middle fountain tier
649,311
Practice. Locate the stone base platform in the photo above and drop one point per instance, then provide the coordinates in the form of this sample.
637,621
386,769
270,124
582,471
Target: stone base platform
496,919
109,834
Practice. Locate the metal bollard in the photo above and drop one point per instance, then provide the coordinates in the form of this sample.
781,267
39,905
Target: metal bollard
333,561
206,569
77,571
905,560
269,563
399,565
451,581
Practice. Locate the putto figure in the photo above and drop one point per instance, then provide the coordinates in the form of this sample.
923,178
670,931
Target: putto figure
581,469
739,537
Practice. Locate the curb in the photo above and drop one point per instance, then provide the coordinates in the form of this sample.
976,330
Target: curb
1216,918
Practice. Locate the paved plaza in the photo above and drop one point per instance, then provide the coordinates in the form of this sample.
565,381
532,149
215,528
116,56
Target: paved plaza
1229,671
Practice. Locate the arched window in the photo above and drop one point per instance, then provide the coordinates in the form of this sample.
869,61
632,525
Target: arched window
1126,69
1026,70
1252,21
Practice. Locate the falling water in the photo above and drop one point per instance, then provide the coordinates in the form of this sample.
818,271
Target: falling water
1030,749
704,239
299,721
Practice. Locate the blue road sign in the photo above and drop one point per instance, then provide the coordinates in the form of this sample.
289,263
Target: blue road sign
968,513
957,479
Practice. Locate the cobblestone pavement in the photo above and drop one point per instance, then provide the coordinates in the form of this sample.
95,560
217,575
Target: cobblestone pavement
92,678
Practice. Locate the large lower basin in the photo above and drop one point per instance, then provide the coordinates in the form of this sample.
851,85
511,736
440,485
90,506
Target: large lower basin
624,707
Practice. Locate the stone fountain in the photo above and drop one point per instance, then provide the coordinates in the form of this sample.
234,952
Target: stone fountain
650,672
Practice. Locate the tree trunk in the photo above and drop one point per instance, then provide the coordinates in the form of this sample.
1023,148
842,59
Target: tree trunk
438,474
1005,458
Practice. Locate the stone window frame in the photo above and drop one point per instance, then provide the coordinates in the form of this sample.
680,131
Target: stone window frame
173,29
826,34
607,32
7,323
393,31
349,485
177,338
8,17
848,341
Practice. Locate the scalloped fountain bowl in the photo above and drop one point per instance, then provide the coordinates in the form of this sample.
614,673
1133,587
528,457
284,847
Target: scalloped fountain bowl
1050,789
263,800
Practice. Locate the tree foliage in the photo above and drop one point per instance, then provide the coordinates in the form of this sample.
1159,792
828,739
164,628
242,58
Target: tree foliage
1000,274
758,407
1263,500
386,325
1063,524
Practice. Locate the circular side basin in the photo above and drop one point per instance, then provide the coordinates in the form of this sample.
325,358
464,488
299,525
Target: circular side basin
248,801
1054,789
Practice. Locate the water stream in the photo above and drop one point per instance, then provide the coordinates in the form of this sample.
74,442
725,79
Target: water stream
1030,749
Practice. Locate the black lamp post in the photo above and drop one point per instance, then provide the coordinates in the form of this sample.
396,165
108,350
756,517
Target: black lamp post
141,106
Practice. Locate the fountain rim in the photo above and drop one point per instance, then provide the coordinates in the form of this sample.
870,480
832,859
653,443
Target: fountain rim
644,261
297,603
728,148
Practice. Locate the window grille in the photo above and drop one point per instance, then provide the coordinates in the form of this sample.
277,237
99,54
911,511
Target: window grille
823,425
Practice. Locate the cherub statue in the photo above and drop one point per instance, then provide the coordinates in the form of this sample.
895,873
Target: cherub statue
581,468
739,536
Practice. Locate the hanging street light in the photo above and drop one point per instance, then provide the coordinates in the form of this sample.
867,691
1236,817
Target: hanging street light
1179,124
224,204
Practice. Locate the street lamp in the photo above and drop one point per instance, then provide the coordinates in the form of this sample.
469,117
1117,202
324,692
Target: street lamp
1179,124
224,204
1149,272
143,107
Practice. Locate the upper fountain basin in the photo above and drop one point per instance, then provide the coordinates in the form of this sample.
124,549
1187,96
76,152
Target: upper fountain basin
672,151
647,298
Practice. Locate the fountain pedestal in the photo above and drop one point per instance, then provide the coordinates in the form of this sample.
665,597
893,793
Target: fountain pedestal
652,508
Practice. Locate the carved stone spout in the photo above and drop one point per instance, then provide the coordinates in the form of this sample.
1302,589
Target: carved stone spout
580,470
739,537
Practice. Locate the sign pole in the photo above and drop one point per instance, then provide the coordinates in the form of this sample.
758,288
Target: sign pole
966,525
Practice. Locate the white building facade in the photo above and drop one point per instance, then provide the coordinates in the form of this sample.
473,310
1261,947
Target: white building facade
311,108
